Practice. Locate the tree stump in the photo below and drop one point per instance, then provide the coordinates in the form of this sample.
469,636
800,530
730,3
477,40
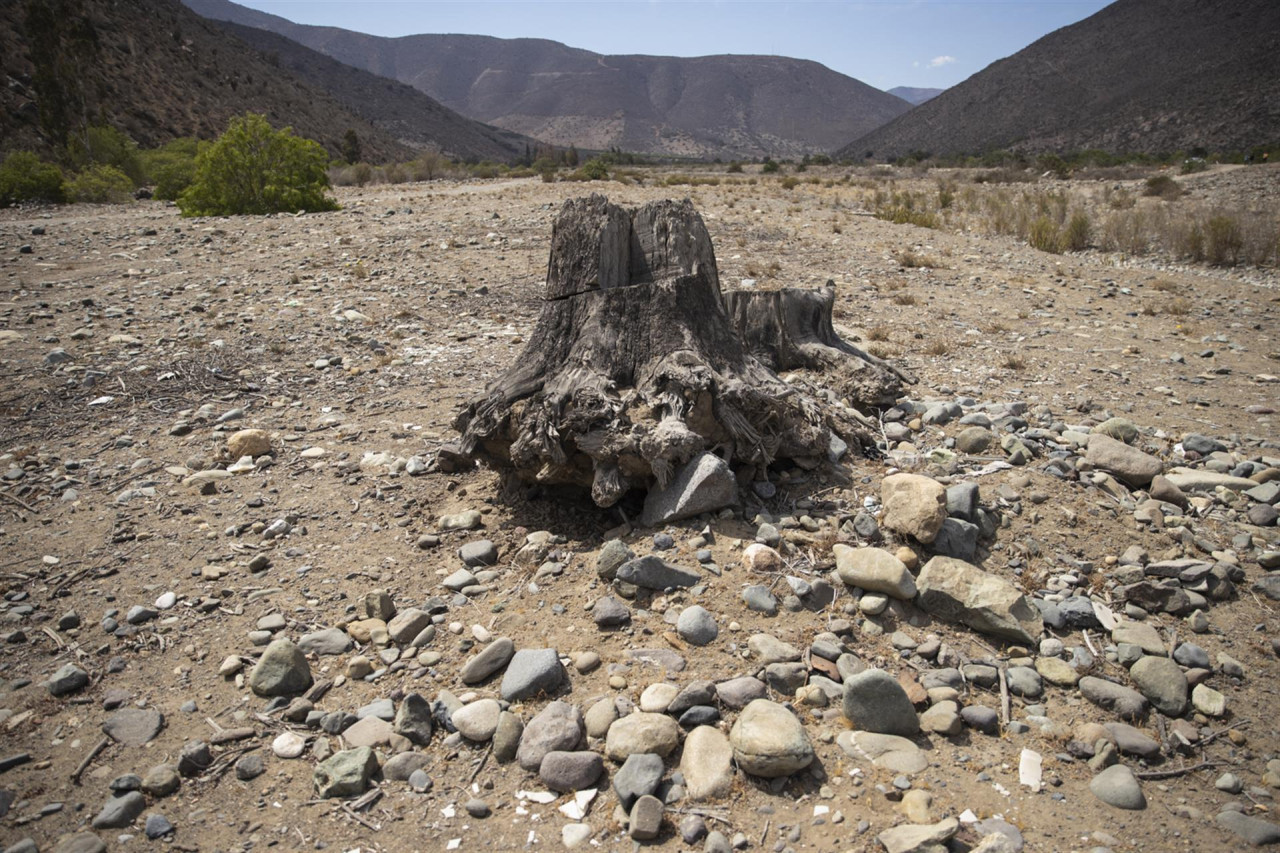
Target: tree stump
791,329
635,368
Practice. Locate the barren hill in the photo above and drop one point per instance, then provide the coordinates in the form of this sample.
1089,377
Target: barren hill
1139,76
725,106
395,108
157,71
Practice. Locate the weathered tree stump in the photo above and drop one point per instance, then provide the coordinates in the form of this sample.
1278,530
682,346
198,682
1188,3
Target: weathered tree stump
634,367
791,329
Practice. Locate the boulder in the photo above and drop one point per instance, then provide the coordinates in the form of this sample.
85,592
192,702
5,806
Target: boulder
874,570
703,484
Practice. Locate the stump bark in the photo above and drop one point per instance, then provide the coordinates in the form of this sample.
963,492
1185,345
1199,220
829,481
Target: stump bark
635,367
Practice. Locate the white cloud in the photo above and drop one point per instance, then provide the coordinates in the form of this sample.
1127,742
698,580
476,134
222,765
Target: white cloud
939,61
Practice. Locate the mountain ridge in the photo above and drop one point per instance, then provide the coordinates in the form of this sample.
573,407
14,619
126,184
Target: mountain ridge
1139,76
728,106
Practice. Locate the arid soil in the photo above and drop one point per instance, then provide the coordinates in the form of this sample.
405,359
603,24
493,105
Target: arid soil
361,332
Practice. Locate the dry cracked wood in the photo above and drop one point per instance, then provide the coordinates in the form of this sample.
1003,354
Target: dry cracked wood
635,366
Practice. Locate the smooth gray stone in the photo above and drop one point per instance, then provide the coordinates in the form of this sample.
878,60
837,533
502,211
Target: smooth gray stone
1124,702
639,775
119,812
492,658
330,641
1117,786
133,726
557,728
874,701
566,771
531,672
653,573
1253,830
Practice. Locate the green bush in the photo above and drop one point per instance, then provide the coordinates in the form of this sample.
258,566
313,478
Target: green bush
254,169
735,168
25,177
106,146
769,166
594,170
172,167
101,184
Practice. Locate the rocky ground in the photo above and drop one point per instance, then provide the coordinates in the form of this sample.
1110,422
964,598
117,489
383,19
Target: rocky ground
244,606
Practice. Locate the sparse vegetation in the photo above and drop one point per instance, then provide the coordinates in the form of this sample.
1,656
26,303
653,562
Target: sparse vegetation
254,169
172,167
1044,236
1162,186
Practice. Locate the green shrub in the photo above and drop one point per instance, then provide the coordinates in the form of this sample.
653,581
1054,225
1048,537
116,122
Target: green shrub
172,167
1223,241
1044,236
25,177
254,169
769,166
1194,164
595,170
101,184
106,146
734,168
789,182
1078,232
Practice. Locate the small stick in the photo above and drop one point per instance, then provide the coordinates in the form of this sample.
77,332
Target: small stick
1088,644
346,808
1004,698
1212,736
127,480
83,765
22,504
1181,771
480,764
765,833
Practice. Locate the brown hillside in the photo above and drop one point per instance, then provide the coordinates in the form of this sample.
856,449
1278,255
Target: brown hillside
1139,76
711,106
158,71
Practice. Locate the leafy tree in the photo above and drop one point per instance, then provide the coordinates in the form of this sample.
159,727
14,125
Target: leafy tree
769,165
255,169
172,167
106,146
101,183
25,177
351,146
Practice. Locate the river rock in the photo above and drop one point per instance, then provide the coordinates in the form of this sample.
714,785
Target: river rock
1117,786
557,728
768,740
641,732
1129,464
703,484
1163,683
492,658
874,570
570,771
281,671
133,726
957,591
914,505
346,773
530,673
478,720
707,764
874,701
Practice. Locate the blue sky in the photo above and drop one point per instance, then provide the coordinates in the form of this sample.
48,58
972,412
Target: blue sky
886,43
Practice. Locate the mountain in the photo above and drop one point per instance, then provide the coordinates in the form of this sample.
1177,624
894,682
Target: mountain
1139,76
914,95
709,106
156,70
399,110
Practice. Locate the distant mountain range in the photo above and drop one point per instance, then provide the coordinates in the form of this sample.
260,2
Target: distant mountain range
157,71
1145,76
711,106
915,96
